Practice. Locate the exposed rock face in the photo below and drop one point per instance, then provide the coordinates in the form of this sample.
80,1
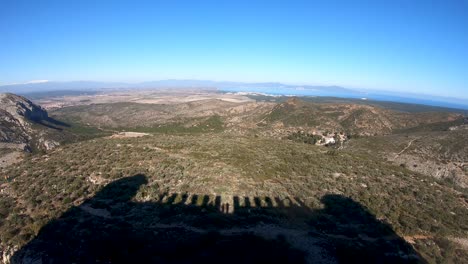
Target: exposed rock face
7,253
17,116
20,108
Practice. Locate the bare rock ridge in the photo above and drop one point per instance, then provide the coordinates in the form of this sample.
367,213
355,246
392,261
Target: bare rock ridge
24,123
19,106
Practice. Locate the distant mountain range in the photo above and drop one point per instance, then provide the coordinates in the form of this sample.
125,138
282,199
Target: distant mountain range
264,87
91,85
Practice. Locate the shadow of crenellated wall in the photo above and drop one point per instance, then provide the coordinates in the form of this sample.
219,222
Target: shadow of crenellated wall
183,228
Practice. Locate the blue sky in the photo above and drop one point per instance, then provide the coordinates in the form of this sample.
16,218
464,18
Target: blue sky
406,46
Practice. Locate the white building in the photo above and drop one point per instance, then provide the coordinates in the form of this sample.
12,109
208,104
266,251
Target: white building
329,140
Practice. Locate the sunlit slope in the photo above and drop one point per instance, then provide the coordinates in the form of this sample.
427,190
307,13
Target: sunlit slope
214,164
353,118
440,154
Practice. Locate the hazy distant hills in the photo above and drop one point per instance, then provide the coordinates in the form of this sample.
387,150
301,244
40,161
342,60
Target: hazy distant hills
53,86
91,85
275,88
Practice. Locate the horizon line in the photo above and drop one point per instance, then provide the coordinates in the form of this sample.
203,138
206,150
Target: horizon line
351,88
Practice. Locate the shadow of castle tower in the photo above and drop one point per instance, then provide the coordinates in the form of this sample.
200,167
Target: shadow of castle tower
181,228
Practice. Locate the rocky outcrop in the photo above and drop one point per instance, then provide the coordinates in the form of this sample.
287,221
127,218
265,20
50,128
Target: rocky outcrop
21,108
7,253
22,122
452,171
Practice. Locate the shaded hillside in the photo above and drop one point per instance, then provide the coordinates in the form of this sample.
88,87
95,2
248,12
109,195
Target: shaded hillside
43,188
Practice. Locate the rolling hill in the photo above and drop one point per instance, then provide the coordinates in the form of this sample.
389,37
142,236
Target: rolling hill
357,119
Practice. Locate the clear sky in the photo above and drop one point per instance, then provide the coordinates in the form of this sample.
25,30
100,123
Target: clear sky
398,45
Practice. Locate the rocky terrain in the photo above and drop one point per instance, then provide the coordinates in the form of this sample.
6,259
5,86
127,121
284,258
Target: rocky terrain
263,117
23,122
356,119
24,126
16,114
205,179
440,154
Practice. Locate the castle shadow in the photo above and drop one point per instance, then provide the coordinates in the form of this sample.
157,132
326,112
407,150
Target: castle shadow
178,228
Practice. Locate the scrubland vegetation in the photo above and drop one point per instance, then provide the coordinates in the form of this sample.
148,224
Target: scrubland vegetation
212,164
351,202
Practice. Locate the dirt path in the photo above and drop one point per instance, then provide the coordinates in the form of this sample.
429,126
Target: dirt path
407,147
412,239
129,135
